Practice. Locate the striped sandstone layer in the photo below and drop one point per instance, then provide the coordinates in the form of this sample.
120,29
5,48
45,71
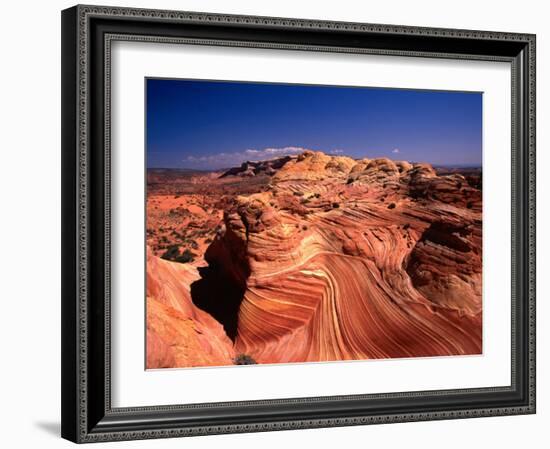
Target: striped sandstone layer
371,260
179,334
337,260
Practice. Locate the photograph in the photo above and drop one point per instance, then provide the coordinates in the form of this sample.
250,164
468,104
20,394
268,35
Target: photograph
294,223
284,220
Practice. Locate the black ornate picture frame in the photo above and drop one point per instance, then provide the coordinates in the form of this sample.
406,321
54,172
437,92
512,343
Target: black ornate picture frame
87,34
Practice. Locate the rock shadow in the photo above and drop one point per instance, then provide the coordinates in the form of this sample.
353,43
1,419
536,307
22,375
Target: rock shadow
221,288
220,296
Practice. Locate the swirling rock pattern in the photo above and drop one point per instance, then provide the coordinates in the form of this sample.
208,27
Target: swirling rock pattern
178,333
336,259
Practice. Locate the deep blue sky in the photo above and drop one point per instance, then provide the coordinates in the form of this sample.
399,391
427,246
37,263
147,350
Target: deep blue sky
211,124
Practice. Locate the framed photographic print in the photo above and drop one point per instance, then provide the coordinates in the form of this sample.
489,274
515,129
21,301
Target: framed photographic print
276,224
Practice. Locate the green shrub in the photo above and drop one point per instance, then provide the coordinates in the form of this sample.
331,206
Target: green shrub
244,359
187,256
172,253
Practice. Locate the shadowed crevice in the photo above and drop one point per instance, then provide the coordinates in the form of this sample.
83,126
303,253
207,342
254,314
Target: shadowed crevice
218,295
220,290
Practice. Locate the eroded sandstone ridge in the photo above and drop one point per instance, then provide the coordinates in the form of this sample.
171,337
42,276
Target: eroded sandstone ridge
330,259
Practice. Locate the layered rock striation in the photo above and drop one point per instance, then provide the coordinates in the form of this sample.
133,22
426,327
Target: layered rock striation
337,259
179,334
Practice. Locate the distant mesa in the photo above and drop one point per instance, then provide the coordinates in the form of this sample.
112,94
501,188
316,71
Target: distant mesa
315,165
309,164
253,168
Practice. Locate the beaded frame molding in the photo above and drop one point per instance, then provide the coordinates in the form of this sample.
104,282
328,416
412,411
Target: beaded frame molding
87,34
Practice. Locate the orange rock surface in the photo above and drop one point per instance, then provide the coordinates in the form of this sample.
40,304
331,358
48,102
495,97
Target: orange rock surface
178,333
335,259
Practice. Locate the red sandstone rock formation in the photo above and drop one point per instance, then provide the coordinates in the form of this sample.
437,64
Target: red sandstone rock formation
337,260
178,333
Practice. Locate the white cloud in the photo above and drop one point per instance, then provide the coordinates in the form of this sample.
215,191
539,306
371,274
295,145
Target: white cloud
276,152
227,160
396,150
